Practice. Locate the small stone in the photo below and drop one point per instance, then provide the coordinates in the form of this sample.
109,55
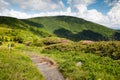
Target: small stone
79,64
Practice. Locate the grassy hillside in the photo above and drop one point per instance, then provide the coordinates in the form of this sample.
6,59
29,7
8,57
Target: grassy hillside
68,27
14,65
74,28
12,29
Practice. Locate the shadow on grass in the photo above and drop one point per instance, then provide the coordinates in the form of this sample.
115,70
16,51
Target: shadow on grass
84,35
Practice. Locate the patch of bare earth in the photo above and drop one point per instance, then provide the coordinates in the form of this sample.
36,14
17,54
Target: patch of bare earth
47,67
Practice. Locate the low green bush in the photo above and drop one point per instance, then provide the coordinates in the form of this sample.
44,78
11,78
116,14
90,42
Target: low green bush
66,47
111,49
103,48
0,43
50,41
12,44
18,39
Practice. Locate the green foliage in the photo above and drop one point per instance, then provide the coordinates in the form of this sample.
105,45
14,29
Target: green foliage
12,29
111,49
16,35
104,48
17,66
84,35
68,27
18,39
0,43
63,47
13,23
12,44
40,32
75,28
70,46
116,36
50,41
92,68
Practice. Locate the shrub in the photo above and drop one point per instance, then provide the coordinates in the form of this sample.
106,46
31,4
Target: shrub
12,45
0,43
103,48
28,43
18,39
66,47
50,41
111,49
38,44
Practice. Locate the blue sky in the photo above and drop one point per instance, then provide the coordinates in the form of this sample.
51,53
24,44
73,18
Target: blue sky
100,6
104,12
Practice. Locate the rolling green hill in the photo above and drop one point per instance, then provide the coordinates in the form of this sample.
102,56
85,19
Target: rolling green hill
72,28
75,28
12,29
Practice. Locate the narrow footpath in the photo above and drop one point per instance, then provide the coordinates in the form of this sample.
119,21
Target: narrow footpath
47,67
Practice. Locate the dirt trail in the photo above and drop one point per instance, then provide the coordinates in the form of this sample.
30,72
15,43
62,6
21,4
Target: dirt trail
47,67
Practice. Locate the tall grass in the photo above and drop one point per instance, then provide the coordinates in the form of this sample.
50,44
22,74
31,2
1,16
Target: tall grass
17,66
92,68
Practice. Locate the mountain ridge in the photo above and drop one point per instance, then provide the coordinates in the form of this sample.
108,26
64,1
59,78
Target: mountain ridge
69,27
74,25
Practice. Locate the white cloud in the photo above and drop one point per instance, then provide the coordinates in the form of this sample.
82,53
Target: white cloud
3,5
40,5
23,15
114,15
80,5
83,2
83,12
14,13
111,2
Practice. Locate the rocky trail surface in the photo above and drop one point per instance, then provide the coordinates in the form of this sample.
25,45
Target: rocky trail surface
47,67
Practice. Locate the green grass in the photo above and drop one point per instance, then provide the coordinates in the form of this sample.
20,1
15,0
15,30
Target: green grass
14,65
74,28
93,67
16,35
101,48
12,29
70,23
98,59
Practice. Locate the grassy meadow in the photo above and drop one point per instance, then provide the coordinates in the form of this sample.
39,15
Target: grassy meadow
14,65
76,61
81,51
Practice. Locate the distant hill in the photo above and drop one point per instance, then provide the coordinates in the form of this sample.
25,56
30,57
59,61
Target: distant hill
75,28
13,29
72,28
118,30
